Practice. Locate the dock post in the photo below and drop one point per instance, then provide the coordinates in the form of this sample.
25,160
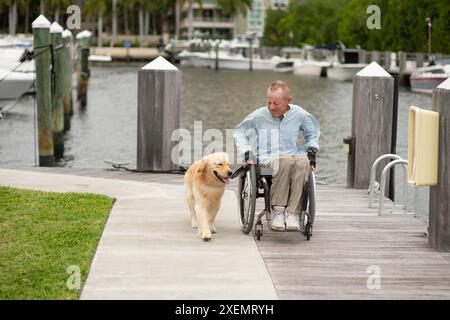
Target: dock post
362,56
78,41
58,90
159,90
250,54
372,120
216,60
83,71
42,51
419,60
375,56
68,107
387,60
439,216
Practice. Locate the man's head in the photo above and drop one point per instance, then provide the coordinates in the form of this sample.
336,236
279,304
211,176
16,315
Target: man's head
278,98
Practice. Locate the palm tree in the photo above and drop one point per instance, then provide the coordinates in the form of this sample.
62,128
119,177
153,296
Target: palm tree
114,23
177,19
56,5
12,16
97,8
190,16
127,5
234,7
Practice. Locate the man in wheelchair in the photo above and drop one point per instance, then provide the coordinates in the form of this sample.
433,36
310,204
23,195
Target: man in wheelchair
272,134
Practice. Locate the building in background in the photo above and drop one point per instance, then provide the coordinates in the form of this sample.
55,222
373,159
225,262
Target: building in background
210,20
253,22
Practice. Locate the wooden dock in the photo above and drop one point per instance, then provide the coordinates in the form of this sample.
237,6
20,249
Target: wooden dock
348,239
145,54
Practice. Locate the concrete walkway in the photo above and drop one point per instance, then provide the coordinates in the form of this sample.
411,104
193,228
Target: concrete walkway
148,249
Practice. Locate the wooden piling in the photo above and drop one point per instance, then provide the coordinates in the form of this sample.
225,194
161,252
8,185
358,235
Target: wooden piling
387,60
372,118
68,104
41,36
419,60
402,63
216,51
439,219
58,90
83,69
250,54
362,56
159,87
375,56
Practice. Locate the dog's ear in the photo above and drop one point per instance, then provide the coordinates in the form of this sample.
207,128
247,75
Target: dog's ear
202,167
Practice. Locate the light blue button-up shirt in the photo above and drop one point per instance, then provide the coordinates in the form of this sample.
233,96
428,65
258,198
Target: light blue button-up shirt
269,137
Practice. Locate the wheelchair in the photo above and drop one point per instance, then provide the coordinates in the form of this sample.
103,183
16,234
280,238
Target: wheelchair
255,182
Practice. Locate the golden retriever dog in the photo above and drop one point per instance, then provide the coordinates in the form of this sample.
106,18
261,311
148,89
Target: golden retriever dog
205,182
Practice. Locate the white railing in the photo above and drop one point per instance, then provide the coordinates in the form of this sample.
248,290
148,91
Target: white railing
381,186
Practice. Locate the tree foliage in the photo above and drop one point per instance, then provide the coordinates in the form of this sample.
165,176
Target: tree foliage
403,25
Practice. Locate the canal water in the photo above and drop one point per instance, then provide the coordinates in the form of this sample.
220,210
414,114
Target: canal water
106,130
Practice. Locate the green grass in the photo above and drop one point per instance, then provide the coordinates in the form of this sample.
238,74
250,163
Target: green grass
41,235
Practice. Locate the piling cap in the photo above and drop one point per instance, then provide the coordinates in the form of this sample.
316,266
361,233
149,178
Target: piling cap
56,28
159,64
445,85
87,33
41,22
67,34
81,35
373,70
84,34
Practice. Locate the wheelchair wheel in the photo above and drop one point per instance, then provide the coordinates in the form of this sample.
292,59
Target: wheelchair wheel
308,207
247,199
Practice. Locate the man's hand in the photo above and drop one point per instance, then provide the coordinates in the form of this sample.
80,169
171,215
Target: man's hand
312,158
247,160
247,163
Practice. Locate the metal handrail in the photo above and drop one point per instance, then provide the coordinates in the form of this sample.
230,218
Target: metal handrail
372,173
383,182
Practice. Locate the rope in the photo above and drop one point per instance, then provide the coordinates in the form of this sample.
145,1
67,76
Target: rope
11,71
181,169
26,56
34,122
19,98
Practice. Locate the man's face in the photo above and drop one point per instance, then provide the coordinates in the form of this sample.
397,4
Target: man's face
277,102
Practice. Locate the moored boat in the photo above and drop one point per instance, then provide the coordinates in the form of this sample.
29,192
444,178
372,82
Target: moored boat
424,80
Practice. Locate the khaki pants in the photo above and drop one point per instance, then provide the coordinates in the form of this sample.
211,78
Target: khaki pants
290,176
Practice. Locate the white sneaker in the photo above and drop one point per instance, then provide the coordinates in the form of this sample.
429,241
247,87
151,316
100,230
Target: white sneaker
277,219
292,221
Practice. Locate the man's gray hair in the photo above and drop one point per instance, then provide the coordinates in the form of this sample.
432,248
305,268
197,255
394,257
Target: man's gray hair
274,86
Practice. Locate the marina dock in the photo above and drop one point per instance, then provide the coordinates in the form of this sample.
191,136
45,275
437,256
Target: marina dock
149,251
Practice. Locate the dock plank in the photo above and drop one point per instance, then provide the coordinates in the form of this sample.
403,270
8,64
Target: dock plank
348,238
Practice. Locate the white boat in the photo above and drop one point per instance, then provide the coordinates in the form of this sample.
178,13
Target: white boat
311,63
283,66
424,80
16,42
100,58
344,71
14,84
234,55
311,68
9,59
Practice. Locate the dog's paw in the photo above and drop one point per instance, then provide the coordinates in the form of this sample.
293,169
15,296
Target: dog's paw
213,229
194,226
206,236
